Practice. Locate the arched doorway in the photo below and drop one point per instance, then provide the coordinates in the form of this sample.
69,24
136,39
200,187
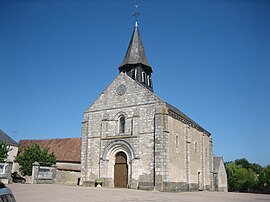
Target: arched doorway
120,170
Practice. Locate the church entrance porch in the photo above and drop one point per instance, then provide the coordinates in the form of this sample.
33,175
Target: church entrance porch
120,170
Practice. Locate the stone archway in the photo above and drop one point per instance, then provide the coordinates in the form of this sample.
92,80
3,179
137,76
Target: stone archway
116,152
120,170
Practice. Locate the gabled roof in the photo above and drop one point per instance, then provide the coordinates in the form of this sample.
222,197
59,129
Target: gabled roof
65,149
135,53
216,162
5,138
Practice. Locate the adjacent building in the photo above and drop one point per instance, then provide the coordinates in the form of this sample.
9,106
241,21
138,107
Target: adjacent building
68,157
66,150
220,175
13,146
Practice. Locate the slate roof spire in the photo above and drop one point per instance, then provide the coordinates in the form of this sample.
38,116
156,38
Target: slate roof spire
135,53
135,63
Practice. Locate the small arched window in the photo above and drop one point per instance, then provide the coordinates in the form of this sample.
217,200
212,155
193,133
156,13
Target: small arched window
196,147
133,74
122,124
149,81
143,77
177,141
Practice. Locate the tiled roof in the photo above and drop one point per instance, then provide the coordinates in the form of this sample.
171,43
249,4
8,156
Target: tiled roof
5,138
65,149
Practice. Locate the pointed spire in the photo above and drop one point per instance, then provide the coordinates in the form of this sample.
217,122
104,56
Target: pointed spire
135,53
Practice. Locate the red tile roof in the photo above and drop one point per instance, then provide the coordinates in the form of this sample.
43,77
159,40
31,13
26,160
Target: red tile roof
65,149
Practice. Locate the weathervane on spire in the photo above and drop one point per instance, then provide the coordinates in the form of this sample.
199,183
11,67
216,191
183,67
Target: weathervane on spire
136,13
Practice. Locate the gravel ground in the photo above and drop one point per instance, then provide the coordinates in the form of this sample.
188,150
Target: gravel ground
62,193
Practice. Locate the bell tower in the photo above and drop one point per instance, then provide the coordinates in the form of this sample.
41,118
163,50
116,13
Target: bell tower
135,63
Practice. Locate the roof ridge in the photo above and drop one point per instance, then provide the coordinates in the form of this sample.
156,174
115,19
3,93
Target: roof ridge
188,119
7,139
51,139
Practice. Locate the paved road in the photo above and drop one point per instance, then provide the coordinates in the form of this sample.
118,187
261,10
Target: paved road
61,193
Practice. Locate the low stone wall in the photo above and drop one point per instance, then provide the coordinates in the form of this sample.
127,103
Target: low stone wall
175,186
223,189
28,179
67,177
43,174
68,166
147,186
5,172
88,184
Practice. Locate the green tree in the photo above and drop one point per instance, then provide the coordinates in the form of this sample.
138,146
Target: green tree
241,177
4,149
231,169
33,154
246,179
264,179
267,175
244,163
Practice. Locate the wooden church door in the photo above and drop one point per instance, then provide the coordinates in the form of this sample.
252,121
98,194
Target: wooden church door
120,170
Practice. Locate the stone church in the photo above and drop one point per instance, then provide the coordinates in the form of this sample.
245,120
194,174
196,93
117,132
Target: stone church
131,138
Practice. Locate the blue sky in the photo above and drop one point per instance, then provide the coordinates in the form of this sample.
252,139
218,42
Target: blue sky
211,59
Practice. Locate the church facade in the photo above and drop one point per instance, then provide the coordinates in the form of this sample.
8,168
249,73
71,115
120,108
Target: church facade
131,138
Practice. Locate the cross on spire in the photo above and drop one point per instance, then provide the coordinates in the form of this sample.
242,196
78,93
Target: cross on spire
136,14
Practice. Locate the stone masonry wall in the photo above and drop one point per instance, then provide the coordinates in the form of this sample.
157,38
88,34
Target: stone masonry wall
189,164
162,152
101,139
